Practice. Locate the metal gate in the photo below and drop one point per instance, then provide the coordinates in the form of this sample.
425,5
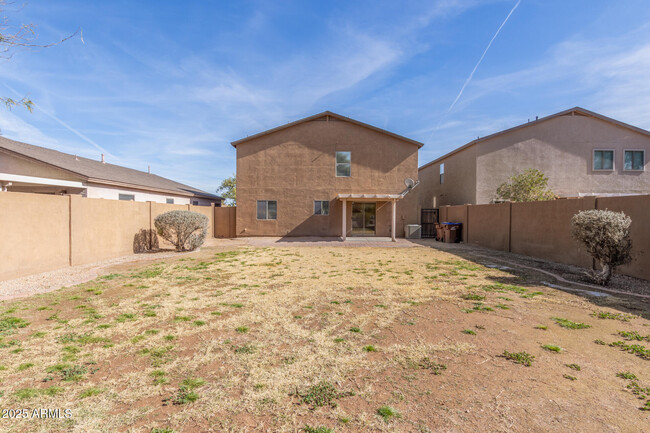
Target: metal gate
428,220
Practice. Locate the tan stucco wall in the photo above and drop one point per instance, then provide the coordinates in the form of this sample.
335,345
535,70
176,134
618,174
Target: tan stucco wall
296,166
543,229
562,148
459,186
35,235
489,226
45,232
103,229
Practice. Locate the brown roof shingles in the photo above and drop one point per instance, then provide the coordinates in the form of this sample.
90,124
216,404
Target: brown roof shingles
99,172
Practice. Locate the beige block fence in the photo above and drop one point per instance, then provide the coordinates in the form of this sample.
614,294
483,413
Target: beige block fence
45,232
542,229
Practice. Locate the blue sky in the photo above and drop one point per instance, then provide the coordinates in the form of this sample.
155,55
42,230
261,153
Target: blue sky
171,84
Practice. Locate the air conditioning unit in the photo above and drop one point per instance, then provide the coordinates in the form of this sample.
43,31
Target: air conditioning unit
413,231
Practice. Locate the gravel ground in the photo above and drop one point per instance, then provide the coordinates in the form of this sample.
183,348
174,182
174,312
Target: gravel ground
70,276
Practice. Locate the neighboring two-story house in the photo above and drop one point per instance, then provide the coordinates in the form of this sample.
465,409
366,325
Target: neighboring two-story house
325,175
34,169
581,152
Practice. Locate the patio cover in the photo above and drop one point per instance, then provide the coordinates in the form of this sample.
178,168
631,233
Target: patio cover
369,197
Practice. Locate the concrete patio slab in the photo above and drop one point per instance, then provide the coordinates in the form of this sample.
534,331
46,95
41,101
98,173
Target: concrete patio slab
314,241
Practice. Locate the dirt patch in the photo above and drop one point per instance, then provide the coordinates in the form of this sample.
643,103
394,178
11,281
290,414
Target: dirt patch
65,277
360,339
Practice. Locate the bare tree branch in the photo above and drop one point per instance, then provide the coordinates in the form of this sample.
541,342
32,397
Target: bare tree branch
23,36
24,102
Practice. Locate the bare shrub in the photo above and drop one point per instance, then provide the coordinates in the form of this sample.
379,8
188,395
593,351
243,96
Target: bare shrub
606,236
184,229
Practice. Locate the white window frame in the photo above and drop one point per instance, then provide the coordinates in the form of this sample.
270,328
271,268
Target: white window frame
167,201
442,173
593,160
634,150
120,195
267,211
336,163
321,207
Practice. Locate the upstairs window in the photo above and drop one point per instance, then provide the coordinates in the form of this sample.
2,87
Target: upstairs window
267,209
321,207
634,160
343,164
195,203
442,173
170,201
603,160
127,197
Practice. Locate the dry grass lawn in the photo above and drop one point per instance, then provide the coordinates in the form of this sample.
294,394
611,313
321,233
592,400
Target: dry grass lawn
324,339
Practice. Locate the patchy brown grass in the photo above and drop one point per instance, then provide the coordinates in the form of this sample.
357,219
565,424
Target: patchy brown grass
251,339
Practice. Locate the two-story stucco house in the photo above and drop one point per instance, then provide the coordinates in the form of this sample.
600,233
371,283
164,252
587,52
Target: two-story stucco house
325,175
581,152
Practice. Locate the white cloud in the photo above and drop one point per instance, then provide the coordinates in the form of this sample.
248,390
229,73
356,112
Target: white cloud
17,129
608,76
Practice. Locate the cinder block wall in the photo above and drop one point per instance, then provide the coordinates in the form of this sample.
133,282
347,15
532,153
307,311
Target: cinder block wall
35,232
543,229
42,232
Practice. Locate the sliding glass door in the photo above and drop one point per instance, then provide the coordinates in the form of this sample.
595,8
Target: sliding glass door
363,219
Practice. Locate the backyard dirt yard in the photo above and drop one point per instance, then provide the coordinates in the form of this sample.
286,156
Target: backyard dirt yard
324,339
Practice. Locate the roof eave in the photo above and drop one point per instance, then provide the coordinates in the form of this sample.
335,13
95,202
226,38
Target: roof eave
535,122
316,116
152,189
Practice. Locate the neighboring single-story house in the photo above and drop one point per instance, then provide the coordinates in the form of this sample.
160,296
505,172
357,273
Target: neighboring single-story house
326,175
581,152
33,169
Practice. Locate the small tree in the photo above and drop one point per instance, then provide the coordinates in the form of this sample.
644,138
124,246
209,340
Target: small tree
228,190
606,235
184,229
15,37
530,185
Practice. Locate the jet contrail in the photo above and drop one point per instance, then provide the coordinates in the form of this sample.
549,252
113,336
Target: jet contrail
481,59
65,125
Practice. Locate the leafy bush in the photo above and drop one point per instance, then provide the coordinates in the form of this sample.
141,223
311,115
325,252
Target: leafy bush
184,229
606,236
530,185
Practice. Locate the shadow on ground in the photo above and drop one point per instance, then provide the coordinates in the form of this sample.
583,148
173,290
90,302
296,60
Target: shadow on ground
627,294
